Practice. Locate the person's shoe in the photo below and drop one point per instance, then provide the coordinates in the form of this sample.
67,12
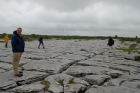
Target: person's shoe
38,47
43,47
20,72
19,75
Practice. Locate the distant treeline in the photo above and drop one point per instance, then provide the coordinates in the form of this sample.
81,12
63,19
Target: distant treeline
61,37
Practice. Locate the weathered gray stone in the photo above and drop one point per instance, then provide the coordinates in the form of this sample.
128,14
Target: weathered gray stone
115,73
10,60
72,57
8,79
29,88
6,66
112,89
47,66
131,84
70,88
96,79
1,70
115,82
123,68
80,71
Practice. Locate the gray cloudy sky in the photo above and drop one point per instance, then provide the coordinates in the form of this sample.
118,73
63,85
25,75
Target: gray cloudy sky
71,17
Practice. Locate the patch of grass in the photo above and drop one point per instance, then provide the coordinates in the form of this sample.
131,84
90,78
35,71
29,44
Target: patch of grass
99,54
116,55
71,81
137,51
137,58
1,41
131,48
46,84
115,63
125,64
83,50
61,82
21,92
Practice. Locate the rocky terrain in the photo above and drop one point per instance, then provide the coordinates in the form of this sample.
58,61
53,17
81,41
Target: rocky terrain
71,66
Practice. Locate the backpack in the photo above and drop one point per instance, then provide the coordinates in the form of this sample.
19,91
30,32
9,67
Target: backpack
112,42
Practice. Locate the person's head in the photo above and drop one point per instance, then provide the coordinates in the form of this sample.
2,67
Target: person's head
19,31
7,35
41,36
109,37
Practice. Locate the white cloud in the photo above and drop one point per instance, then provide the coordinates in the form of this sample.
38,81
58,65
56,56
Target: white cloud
71,17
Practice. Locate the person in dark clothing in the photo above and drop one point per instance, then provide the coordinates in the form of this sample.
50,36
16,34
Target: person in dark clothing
17,48
110,43
41,42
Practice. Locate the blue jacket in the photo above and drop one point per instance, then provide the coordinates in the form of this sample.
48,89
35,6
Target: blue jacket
41,39
17,43
110,41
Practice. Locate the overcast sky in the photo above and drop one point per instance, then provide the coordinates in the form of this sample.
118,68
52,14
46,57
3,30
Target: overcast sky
71,17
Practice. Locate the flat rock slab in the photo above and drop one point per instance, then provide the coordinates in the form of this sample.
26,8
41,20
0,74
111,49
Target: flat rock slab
53,80
29,88
131,84
5,54
1,70
77,88
80,71
48,55
115,73
8,79
34,57
96,79
72,57
94,63
112,89
124,68
6,66
56,87
10,60
115,82
52,66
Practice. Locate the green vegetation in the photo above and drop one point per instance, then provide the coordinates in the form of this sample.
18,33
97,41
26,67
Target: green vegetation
83,50
137,58
131,48
99,54
46,84
61,82
71,81
116,55
21,92
1,41
126,64
62,37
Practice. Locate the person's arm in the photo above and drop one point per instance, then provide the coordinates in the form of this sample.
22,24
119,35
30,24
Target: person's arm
14,44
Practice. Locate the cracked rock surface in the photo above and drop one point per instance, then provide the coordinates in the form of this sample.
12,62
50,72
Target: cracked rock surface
67,66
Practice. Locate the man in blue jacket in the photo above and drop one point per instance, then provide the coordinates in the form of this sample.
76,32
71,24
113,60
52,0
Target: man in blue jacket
110,43
41,42
17,48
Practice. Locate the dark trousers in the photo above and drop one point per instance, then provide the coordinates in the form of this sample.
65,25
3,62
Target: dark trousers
6,44
40,44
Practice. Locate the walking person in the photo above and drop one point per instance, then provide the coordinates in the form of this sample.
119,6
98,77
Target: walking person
6,39
41,42
17,48
110,43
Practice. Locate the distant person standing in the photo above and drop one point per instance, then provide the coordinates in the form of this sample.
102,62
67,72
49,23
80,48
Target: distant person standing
41,42
6,39
110,43
17,48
